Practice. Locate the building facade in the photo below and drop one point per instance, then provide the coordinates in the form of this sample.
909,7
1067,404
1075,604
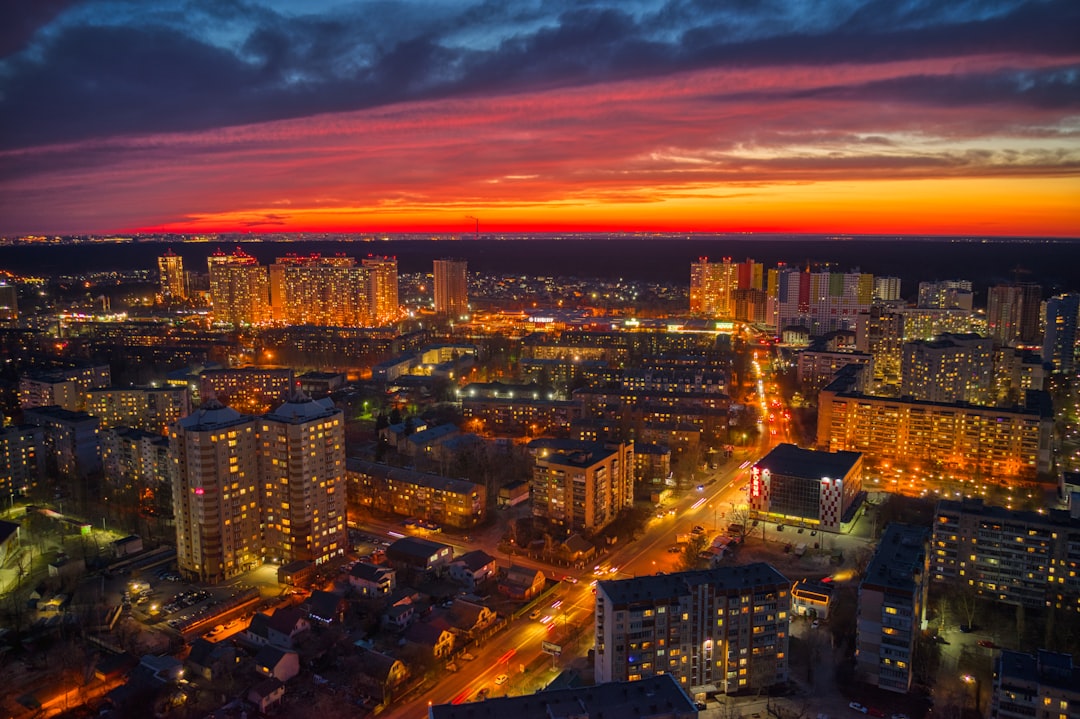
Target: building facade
1020,558
725,628
892,607
951,368
215,484
21,458
582,485
320,291
431,497
1002,444
239,289
301,448
1044,684
805,487
171,277
1060,340
152,409
385,307
712,285
451,287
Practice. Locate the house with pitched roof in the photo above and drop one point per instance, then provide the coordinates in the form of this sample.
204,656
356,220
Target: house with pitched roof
372,580
473,568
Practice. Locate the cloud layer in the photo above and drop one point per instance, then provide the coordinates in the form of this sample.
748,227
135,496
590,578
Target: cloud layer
218,114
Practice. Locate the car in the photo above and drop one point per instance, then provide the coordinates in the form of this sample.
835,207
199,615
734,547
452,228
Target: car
698,529
875,712
987,644
815,624
501,679
571,580
701,706
534,614
701,488
966,628
900,715
858,707
779,528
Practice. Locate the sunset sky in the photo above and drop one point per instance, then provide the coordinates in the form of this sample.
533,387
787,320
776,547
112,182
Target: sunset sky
838,116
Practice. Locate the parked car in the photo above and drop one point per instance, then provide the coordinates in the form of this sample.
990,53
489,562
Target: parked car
987,644
858,707
501,679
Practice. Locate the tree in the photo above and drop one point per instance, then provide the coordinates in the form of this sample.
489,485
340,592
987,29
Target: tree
689,559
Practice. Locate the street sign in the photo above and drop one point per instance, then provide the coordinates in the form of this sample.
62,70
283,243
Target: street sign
550,648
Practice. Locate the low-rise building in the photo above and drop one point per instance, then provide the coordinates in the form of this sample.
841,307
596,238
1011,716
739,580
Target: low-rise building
807,487
372,580
811,599
449,502
473,568
420,554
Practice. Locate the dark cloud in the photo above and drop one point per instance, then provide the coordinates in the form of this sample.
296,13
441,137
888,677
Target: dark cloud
98,80
19,21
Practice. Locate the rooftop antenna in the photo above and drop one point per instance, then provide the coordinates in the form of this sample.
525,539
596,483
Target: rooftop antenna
477,220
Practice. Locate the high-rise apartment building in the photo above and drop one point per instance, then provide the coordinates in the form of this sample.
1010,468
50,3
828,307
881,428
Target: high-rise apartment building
253,389
886,289
945,295
239,289
301,448
21,458
9,302
1012,313
1060,343
712,285
892,607
726,627
822,302
1008,556
882,330
171,276
216,493
320,291
385,307
951,368
583,485
451,287
137,469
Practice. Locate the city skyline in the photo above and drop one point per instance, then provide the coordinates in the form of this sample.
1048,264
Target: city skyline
269,117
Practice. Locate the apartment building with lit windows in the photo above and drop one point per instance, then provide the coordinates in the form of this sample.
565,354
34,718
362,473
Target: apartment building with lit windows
171,276
1012,313
717,630
712,285
71,440
892,607
21,458
882,331
408,493
1044,684
581,486
451,287
950,368
816,368
945,294
320,291
239,289
822,302
216,493
1008,556
1060,341
1002,444
252,389
137,469
301,447
63,386
385,306
151,409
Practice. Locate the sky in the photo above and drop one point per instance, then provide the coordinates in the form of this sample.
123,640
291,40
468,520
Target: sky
957,117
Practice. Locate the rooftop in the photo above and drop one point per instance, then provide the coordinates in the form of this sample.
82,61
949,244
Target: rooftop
793,461
900,558
673,586
659,696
